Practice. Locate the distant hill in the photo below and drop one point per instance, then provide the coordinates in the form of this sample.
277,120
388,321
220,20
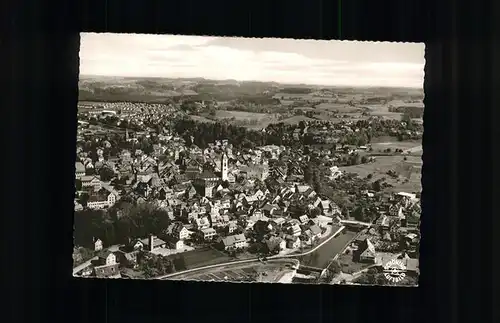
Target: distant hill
147,89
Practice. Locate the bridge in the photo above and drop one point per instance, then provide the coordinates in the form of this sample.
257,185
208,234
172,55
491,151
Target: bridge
355,223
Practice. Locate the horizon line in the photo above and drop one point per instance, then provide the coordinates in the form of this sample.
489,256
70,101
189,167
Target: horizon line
281,83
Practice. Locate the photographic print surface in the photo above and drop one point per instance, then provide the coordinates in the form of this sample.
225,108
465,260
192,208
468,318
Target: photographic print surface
248,160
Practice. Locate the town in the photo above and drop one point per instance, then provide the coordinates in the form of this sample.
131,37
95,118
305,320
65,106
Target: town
187,190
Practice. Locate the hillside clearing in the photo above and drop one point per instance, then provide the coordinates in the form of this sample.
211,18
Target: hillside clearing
409,171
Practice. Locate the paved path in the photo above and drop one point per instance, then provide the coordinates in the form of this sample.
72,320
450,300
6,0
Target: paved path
252,259
415,149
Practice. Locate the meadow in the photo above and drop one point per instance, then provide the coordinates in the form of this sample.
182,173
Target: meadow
408,171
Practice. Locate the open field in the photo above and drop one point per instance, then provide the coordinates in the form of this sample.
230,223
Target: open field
305,97
242,115
339,107
250,120
247,274
377,146
382,110
296,119
270,271
409,171
201,119
203,257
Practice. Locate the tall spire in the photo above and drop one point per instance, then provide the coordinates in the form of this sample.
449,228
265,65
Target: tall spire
224,167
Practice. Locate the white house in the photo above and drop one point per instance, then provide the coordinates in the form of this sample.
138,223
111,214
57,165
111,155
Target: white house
233,242
97,244
91,181
207,233
107,258
176,244
101,201
179,231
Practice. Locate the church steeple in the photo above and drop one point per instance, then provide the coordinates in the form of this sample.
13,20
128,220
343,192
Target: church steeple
224,167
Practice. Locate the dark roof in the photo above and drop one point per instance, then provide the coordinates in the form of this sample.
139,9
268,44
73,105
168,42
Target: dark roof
104,254
207,174
156,242
107,271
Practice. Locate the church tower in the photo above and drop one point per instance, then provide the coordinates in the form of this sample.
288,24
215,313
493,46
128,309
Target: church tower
224,167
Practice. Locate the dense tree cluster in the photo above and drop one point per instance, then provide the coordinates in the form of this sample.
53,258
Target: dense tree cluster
152,265
204,133
296,90
120,95
118,224
372,277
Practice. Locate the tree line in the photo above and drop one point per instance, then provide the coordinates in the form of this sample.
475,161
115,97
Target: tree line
119,223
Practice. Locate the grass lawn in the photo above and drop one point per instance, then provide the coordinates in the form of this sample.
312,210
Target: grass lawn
203,257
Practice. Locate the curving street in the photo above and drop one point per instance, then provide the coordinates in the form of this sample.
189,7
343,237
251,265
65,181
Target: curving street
253,259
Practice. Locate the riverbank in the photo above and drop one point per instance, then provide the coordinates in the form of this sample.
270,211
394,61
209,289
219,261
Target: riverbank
322,256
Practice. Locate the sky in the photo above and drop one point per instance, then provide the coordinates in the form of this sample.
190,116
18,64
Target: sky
315,62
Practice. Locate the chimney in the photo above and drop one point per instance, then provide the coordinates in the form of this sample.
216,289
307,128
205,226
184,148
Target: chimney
151,242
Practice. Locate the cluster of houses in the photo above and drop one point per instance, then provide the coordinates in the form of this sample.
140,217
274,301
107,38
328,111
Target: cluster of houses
218,196
208,205
395,232
331,132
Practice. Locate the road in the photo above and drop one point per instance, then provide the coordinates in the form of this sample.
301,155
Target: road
82,266
246,261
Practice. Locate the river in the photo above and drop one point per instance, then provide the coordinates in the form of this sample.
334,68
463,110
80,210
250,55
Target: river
322,257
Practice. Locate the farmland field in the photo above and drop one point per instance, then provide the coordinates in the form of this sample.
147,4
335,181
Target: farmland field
341,108
201,119
409,171
296,120
395,145
307,97
250,120
382,110
241,115
242,272
203,257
